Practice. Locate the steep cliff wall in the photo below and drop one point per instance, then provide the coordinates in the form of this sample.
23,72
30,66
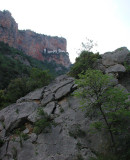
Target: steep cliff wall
31,43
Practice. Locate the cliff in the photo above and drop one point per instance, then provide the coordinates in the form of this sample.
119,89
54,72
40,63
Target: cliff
31,43
69,137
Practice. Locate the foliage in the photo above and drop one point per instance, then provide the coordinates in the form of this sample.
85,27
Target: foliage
41,124
16,89
38,78
88,45
105,157
19,87
79,157
14,64
1,142
85,61
20,74
110,104
77,132
22,136
127,66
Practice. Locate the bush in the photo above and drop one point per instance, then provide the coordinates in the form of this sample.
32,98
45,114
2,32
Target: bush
111,105
85,61
44,122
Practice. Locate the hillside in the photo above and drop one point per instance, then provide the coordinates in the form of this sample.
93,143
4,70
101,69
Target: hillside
20,74
49,123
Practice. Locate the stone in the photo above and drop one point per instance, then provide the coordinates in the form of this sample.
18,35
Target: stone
26,131
63,91
58,85
118,56
33,137
63,139
33,117
47,99
98,65
115,69
49,108
1,126
15,113
2,134
122,88
35,95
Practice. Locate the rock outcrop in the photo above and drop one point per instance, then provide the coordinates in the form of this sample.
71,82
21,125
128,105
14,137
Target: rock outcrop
68,138
65,130
31,43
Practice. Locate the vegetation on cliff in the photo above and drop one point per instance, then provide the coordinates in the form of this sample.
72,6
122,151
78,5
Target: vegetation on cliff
110,104
20,74
85,61
106,104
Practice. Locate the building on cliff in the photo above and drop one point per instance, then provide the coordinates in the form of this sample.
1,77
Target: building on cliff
31,43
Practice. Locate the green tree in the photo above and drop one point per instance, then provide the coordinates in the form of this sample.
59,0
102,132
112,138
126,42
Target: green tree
100,98
16,89
85,61
88,45
38,78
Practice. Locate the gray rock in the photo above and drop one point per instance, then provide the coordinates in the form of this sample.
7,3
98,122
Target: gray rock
1,126
118,56
63,91
122,88
58,143
15,113
26,131
33,117
35,95
3,150
33,137
49,108
58,85
99,65
47,99
115,69
3,134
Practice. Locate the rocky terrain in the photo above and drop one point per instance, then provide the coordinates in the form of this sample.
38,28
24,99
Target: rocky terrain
31,43
66,135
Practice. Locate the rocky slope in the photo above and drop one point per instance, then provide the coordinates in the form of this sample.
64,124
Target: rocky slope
31,43
68,138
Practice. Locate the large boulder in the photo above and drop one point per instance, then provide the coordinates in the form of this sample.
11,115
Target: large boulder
115,69
118,56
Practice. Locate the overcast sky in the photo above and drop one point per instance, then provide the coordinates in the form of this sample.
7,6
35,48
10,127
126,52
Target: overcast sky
107,22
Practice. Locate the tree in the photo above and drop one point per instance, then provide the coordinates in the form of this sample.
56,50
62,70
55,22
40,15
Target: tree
16,89
85,61
100,98
38,78
88,45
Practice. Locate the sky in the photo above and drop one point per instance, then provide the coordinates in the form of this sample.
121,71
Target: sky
106,22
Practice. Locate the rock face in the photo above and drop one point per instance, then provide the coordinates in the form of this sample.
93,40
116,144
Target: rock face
31,43
65,130
117,56
68,138
59,142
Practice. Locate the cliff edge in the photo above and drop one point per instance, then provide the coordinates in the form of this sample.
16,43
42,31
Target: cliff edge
39,46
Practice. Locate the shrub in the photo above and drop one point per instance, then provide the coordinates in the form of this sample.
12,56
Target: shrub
44,122
85,61
110,104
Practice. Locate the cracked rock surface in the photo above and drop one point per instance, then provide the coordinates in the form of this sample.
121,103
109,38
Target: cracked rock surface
57,142
65,130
